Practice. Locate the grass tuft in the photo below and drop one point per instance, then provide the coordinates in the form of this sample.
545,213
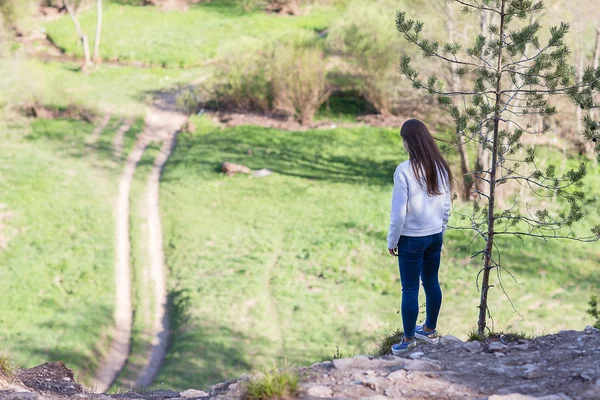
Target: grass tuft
474,336
386,337
509,337
273,384
8,365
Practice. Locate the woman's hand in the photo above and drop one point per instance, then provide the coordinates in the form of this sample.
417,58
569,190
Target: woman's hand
393,252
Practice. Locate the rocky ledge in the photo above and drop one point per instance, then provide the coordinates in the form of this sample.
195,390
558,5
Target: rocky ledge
563,366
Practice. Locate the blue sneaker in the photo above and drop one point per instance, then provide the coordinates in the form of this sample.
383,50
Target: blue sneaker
403,346
430,337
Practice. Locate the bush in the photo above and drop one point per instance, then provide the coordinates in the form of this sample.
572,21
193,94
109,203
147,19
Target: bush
18,13
273,384
594,310
300,82
243,83
366,33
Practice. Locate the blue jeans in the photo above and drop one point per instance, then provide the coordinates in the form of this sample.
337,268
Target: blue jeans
420,257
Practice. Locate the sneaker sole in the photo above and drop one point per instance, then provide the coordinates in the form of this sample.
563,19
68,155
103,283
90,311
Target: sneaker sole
427,339
410,347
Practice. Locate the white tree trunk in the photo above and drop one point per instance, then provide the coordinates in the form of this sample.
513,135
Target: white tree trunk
596,62
87,59
98,32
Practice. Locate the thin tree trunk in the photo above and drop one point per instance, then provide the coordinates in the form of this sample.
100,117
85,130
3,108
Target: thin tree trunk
87,60
481,161
596,62
579,61
487,266
467,180
98,32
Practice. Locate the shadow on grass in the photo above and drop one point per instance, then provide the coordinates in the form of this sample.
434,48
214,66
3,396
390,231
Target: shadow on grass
201,356
335,156
83,361
70,139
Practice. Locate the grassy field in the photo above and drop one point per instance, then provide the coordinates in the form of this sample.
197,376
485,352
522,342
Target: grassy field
60,248
114,89
175,39
293,265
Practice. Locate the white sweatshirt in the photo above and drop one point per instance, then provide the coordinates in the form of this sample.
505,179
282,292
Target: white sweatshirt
414,211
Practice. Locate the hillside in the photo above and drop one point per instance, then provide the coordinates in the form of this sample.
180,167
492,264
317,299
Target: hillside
562,366
127,253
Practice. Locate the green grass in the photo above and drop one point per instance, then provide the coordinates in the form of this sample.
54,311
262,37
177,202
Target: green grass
510,337
114,89
176,39
293,265
57,274
273,384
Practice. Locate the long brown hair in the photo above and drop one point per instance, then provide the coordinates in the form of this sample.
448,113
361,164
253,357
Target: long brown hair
426,158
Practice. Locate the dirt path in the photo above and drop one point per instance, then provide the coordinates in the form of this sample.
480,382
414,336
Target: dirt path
119,350
161,125
119,138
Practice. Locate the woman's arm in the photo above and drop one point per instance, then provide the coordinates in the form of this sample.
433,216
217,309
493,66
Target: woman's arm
446,211
398,210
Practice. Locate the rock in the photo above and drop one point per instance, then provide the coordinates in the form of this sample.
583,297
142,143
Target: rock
499,354
360,362
321,392
524,346
588,375
377,397
559,396
523,341
5,395
50,377
531,371
472,347
449,339
416,355
393,392
590,329
498,370
324,364
421,365
497,347
397,376
377,384
512,396
193,393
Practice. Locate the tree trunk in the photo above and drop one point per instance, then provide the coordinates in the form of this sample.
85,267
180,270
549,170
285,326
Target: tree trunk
98,32
87,60
596,62
487,266
467,180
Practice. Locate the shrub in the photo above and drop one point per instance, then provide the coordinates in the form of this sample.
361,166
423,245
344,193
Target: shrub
594,310
366,34
18,13
243,83
273,384
300,81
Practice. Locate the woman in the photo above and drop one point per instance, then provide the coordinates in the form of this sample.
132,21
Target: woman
420,211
